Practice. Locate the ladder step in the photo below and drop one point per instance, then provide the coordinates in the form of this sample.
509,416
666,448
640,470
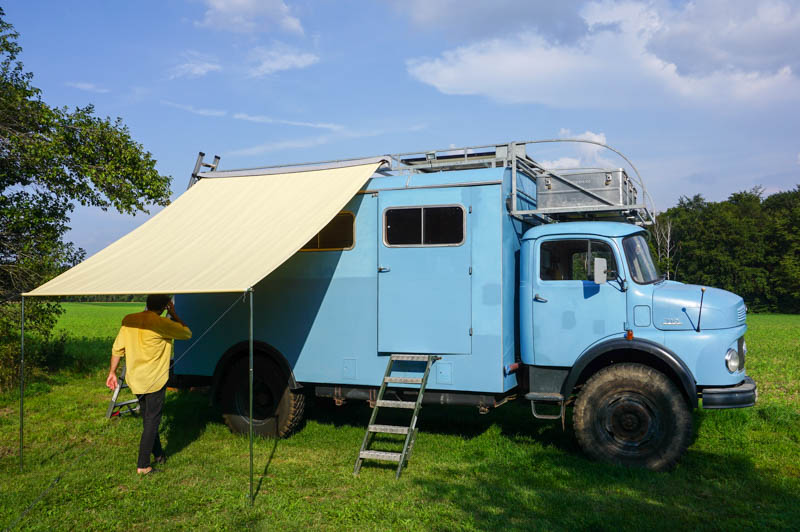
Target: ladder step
396,404
413,358
544,396
126,402
403,380
380,455
388,429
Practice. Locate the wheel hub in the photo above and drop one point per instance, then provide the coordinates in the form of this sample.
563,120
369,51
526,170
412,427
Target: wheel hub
630,420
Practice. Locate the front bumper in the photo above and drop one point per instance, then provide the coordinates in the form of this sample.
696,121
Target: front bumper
739,396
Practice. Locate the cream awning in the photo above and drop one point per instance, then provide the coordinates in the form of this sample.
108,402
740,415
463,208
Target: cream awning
224,234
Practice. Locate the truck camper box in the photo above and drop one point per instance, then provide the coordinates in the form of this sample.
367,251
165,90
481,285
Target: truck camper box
424,259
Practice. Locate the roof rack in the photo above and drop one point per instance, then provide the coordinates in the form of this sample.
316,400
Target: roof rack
537,193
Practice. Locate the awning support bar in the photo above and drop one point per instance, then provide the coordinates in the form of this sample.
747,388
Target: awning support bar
251,395
21,381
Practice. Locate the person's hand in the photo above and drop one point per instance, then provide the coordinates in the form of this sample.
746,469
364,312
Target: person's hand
171,309
111,381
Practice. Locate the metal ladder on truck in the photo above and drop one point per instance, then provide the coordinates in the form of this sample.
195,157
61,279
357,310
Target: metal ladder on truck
411,431
116,408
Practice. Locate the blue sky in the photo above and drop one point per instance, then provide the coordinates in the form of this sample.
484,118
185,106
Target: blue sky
702,96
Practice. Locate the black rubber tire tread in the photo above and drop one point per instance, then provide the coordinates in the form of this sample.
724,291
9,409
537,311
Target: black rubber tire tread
287,416
674,432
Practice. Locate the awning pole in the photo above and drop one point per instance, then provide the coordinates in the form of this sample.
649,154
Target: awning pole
251,396
21,380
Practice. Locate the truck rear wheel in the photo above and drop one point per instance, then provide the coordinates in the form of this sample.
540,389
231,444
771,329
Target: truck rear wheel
632,415
277,410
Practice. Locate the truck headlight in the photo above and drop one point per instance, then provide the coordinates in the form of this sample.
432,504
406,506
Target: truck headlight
732,361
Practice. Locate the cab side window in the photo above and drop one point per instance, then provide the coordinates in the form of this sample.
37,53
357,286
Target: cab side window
573,260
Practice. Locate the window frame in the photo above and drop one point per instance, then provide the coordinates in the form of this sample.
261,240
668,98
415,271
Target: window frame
314,250
422,226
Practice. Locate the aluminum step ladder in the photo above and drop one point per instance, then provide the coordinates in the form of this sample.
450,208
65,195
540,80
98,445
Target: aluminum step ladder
115,408
411,431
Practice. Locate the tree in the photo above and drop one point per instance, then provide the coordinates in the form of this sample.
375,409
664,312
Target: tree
50,159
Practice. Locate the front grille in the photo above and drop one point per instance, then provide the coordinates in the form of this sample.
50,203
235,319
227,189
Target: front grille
742,313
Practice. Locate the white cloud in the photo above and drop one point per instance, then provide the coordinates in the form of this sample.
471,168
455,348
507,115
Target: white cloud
558,20
261,119
194,110
583,155
194,65
248,16
612,66
282,145
310,142
85,86
278,58
708,35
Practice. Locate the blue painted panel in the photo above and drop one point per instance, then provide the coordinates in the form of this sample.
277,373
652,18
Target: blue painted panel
424,296
320,308
576,314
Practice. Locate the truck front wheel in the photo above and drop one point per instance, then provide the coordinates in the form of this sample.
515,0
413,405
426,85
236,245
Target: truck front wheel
277,410
632,415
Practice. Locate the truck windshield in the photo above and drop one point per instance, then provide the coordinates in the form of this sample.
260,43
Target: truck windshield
640,262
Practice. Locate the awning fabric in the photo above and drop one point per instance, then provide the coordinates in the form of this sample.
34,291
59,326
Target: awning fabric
224,234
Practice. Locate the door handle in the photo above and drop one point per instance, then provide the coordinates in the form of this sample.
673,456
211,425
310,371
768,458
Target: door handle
383,269
539,298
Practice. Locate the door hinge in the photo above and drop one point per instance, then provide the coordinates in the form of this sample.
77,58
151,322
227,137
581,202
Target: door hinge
470,331
470,270
470,209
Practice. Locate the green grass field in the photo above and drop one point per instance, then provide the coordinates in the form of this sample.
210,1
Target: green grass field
503,470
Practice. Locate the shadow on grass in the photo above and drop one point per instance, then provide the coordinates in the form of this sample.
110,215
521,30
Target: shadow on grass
185,417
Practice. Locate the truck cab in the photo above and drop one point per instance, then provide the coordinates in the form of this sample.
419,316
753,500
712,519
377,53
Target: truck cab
602,329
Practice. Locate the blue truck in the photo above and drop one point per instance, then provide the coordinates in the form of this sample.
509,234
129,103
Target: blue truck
528,283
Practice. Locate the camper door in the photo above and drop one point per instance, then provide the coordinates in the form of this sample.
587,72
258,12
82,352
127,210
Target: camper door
424,282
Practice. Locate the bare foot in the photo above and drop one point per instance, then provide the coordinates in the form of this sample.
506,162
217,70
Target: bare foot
143,470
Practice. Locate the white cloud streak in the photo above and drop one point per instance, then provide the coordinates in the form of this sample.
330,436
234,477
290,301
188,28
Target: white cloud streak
612,66
250,16
194,110
277,58
261,119
194,65
85,86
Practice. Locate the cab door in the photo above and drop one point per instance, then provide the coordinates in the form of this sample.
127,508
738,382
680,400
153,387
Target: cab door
570,311
424,281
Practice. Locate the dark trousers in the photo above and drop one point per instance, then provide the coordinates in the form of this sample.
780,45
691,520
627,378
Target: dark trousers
150,406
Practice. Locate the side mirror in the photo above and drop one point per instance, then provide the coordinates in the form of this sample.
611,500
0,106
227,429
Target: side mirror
600,273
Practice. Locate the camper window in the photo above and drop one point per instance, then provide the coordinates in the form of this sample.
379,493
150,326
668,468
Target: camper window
441,225
338,235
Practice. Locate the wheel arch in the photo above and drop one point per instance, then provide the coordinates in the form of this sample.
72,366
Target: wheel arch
242,349
638,350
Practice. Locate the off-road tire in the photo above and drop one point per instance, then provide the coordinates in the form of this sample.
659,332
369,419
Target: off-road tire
277,410
633,415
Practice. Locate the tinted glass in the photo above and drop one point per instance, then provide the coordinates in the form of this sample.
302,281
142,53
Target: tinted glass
573,260
601,250
443,225
337,235
404,227
563,260
640,262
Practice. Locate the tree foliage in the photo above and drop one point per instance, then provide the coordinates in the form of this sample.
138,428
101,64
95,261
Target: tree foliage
748,245
52,158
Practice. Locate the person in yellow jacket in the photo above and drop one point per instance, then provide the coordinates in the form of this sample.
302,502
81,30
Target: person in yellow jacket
145,340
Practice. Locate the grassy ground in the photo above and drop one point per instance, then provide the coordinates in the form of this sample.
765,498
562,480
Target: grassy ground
501,470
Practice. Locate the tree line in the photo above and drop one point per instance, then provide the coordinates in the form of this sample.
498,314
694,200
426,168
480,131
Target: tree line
748,244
